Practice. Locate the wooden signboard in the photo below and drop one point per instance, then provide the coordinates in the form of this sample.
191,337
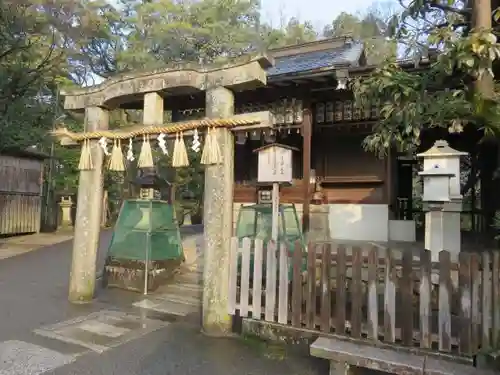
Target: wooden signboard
275,163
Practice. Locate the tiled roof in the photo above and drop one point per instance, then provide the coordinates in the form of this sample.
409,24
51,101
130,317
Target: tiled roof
303,62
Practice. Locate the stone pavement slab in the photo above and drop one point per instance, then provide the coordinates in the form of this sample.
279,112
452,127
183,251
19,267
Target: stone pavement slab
180,349
22,358
13,246
101,330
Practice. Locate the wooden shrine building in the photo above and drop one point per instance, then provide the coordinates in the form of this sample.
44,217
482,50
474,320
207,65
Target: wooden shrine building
306,88
307,91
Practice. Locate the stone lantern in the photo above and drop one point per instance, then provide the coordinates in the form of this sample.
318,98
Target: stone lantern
442,199
66,203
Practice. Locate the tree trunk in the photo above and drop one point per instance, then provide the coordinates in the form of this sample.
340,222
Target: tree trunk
484,86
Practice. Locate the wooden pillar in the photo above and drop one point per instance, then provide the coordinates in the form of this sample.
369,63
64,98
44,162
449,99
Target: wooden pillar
218,220
484,86
306,167
388,183
88,215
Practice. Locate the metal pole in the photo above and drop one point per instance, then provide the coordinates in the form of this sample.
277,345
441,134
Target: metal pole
146,268
148,246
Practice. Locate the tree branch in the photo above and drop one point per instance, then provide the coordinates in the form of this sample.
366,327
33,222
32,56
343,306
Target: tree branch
446,8
454,26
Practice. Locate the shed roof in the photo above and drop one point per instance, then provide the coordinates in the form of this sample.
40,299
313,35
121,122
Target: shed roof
28,153
346,55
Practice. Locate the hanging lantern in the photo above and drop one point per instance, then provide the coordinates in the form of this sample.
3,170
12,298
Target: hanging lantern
339,109
255,136
348,110
357,112
289,111
320,113
280,113
241,138
298,112
269,137
329,112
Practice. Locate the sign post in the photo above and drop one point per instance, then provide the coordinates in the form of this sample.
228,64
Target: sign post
275,210
275,166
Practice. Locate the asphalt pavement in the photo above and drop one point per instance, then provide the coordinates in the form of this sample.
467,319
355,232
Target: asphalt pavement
41,333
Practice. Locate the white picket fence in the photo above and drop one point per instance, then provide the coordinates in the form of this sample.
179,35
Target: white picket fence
249,299
333,288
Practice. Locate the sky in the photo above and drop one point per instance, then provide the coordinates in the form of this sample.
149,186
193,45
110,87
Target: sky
319,12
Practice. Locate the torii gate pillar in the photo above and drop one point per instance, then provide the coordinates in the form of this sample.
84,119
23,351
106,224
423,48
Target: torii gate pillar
218,219
88,216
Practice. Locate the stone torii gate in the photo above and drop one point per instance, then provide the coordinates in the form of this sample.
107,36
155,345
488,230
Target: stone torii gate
218,83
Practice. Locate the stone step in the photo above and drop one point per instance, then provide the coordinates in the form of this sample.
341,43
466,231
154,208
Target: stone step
189,289
179,298
195,278
168,307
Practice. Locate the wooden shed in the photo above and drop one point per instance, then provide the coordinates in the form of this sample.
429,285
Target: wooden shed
21,175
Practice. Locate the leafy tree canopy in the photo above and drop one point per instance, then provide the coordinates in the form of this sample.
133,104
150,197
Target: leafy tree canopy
446,93
49,45
371,27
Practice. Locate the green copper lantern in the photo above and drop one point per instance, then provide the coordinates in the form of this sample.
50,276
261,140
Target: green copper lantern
146,240
254,222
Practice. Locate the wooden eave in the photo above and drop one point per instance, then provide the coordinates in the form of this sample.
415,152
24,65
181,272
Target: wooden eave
307,76
265,147
408,66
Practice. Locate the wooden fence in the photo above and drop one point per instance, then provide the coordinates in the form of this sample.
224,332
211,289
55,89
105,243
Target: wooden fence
20,193
19,213
371,293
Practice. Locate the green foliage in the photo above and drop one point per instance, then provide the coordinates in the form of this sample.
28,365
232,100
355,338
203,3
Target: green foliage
65,173
25,63
46,46
294,32
166,31
371,27
441,95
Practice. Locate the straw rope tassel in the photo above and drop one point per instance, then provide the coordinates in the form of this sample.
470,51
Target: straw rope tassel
217,152
211,150
116,159
146,155
206,148
184,161
85,157
180,157
175,153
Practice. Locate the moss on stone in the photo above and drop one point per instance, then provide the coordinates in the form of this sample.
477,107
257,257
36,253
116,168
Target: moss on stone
268,349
